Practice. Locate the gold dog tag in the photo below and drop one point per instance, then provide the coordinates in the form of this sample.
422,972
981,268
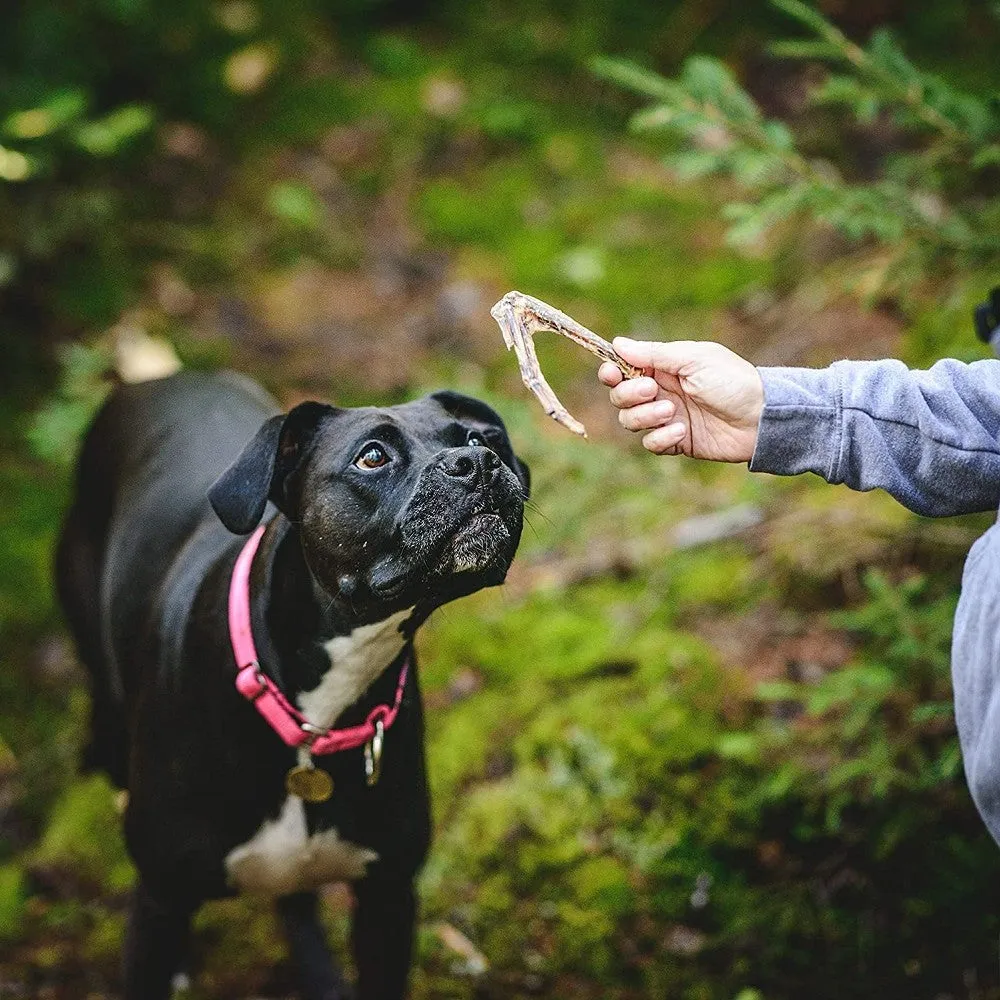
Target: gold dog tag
309,783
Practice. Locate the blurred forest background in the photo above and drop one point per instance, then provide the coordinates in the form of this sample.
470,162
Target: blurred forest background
701,745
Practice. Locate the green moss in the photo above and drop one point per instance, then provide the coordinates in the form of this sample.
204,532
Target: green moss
605,884
226,933
25,572
12,898
83,837
103,944
717,576
464,742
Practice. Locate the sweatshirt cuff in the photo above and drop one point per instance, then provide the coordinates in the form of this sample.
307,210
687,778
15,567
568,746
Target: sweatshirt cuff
801,423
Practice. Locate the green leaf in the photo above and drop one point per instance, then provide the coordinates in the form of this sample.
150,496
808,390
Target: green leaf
778,691
14,165
57,111
753,168
294,203
779,136
745,747
752,221
396,55
56,429
868,683
886,53
748,223
949,763
850,93
127,11
932,710
109,135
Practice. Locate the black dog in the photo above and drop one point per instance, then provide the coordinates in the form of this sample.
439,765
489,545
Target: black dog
373,518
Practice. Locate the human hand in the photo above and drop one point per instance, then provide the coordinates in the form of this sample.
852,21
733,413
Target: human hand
702,400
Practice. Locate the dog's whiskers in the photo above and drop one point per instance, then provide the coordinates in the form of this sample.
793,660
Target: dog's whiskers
535,509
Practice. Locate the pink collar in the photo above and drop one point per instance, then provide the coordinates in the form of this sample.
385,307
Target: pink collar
251,682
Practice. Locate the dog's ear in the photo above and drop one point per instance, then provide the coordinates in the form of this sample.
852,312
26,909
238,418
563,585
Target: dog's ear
262,470
468,408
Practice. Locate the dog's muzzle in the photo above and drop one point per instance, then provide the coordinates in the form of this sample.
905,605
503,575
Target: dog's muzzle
464,518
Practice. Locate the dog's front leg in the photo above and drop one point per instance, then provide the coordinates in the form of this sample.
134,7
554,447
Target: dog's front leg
155,945
382,935
318,974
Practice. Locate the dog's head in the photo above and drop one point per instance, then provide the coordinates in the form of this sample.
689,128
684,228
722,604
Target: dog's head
405,505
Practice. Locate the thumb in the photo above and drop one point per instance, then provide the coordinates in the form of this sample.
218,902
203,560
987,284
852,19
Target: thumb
670,356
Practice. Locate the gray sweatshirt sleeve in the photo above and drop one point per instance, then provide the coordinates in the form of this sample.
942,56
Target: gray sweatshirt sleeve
932,439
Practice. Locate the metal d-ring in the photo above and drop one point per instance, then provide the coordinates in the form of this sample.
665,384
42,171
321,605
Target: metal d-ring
312,733
373,755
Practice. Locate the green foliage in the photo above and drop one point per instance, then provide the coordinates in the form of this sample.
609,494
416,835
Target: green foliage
83,837
888,711
12,895
658,819
25,588
921,206
296,204
881,78
58,427
121,125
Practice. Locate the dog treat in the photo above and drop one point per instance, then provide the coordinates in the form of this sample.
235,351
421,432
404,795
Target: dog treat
519,317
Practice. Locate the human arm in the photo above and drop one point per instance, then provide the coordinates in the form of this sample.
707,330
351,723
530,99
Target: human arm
930,438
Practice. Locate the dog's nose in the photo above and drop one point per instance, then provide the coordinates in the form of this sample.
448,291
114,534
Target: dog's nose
473,466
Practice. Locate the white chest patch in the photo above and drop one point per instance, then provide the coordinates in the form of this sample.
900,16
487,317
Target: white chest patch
355,661
282,856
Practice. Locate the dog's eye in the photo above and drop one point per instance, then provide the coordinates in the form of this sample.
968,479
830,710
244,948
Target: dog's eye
372,457
475,440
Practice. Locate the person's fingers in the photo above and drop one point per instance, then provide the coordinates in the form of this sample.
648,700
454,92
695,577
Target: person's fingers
664,440
632,391
665,356
646,415
610,374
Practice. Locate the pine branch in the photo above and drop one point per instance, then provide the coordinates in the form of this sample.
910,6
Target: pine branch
705,98
722,131
885,66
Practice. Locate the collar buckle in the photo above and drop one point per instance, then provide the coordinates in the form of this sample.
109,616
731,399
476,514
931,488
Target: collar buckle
250,681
